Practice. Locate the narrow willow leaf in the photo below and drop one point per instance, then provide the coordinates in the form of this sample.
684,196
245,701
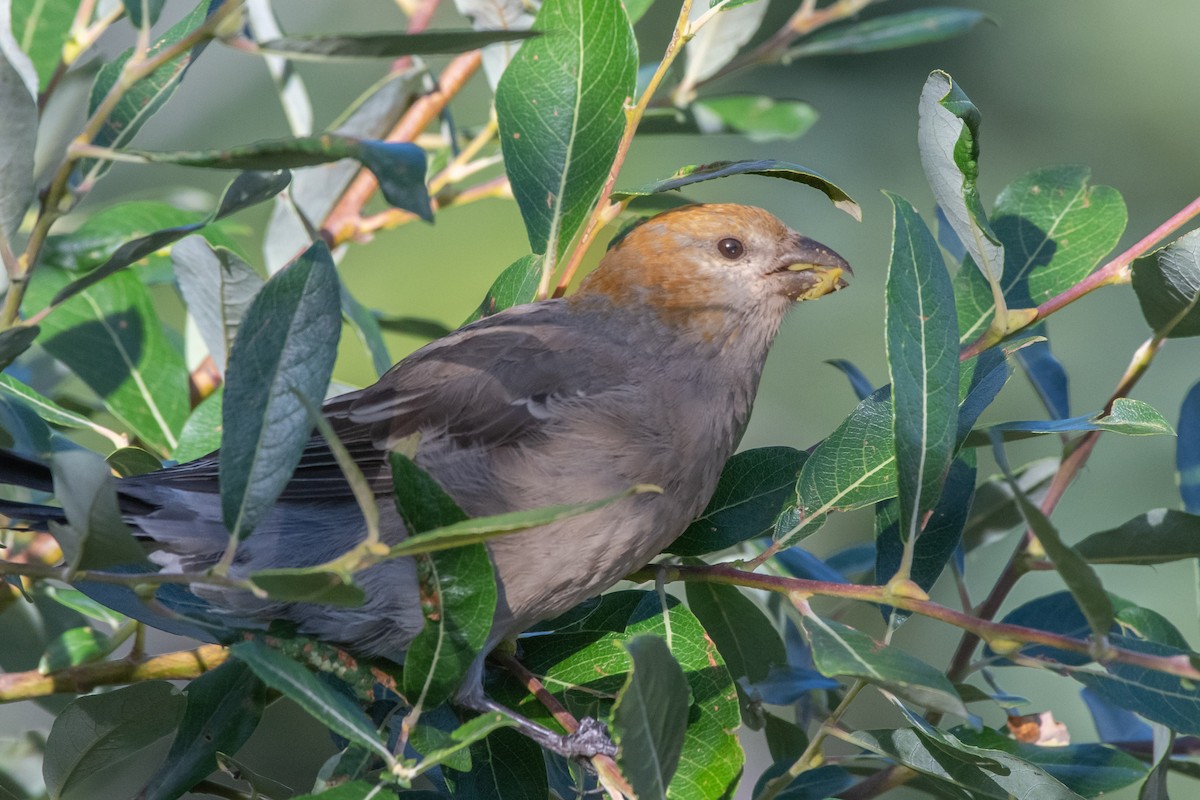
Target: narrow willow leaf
72,648
890,32
328,706
1157,696
46,408
650,717
1187,450
370,333
130,461
1156,537
41,29
560,141
201,433
817,783
285,347
16,340
994,511
18,135
218,288
143,13
839,650
1155,786
923,363
948,137
293,94
388,45
695,173
453,748
1167,283
859,382
715,44
1047,375
744,636
102,730
499,15
757,117
516,285
1128,416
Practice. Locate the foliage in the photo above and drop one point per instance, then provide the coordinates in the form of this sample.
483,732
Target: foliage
90,290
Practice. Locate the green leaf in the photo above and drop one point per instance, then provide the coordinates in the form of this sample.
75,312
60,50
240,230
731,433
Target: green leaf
201,433
15,341
40,29
1155,785
636,9
839,650
130,461
361,790
753,488
328,706
747,641
1167,283
453,748
816,783
247,189
561,110
46,408
387,45
758,118
994,511
507,765
370,332
145,97
18,134
223,709
143,13
1055,228
110,336
718,41
1128,416
890,32
1171,700
948,137
398,166
922,345
284,352
72,648
217,287
516,285
303,585
1155,537
96,536
695,173
1187,450
78,601
103,730
650,717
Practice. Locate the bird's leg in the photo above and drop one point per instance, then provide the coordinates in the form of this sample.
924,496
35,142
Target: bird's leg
589,740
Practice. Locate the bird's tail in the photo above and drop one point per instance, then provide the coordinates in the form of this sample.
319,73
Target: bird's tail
18,470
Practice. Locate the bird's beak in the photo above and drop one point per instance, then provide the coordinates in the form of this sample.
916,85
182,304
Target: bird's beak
813,270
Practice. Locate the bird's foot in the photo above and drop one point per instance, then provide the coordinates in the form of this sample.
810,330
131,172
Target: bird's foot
590,740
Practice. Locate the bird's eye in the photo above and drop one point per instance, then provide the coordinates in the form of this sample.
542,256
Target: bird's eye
731,248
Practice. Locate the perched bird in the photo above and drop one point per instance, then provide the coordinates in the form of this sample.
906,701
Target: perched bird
645,375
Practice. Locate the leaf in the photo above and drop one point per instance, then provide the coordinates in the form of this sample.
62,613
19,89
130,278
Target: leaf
1167,283
757,117
1128,416
753,488
303,585
560,107
72,648
328,706
507,765
858,380
46,408
110,336
18,134
890,32
143,13
1115,724
453,749
41,30
650,717
284,351
217,287
923,364
398,166
1187,450
78,601
223,708
516,285
1155,537
370,333
695,173
839,650
201,433
103,730
247,189
494,15
817,783
1047,375
994,511
1155,786
1055,228
718,41
388,45
145,97
745,638
97,536
1168,699
16,340
948,138
130,461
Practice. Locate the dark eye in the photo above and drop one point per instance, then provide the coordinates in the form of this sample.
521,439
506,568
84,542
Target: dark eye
731,248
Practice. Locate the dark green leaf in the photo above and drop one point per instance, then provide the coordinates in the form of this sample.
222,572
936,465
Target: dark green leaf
696,173
247,189
745,638
505,766
862,386
102,730
223,709
752,490
906,29
330,707
1128,416
110,336
1187,450
1047,375
369,331
201,433
420,327
41,29
650,717
284,351
839,650
994,511
812,784
1055,228
218,288
145,97
46,408
785,740
422,503
96,536
516,285
16,340
1171,700
18,133
78,601
361,790
72,648
948,137
1156,537
130,461
453,748
561,110
143,13
1155,786
1167,283
922,346
306,586
387,45
758,118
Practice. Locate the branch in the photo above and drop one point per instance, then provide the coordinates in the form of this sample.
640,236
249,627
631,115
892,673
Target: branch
182,665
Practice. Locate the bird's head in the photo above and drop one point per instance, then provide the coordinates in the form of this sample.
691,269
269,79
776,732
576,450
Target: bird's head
713,268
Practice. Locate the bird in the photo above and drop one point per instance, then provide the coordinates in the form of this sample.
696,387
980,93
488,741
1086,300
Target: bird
644,375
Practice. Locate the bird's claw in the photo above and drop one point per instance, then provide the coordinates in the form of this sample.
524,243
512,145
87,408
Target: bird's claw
589,740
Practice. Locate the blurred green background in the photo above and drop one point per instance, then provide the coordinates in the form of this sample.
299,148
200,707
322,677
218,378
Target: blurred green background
1106,83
